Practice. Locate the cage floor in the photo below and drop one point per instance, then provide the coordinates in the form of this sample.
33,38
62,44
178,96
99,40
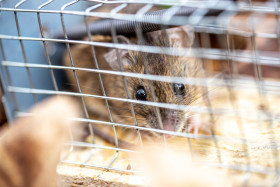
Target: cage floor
246,145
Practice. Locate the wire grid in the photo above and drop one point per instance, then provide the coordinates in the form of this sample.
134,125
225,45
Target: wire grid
218,25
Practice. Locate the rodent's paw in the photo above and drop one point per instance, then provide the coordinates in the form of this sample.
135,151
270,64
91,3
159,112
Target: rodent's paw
195,125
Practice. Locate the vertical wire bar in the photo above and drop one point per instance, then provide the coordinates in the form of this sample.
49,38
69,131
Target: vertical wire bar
257,67
208,103
199,13
71,148
114,37
232,65
276,4
233,95
9,78
140,37
2,89
93,55
6,69
23,50
206,42
72,63
263,96
230,47
166,20
276,155
101,82
44,43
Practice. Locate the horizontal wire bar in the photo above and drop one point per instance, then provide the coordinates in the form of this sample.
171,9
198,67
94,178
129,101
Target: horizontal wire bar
90,145
220,6
175,20
130,16
157,2
213,54
245,83
197,109
252,169
215,29
244,114
207,53
159,21
264,170
101,167
173,133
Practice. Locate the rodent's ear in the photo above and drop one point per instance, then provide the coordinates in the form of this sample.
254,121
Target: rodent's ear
181,37
112,58
177,37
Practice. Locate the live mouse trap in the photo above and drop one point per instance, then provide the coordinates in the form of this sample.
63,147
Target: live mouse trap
171,93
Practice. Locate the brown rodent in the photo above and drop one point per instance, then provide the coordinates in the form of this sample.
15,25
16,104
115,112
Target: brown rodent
139,89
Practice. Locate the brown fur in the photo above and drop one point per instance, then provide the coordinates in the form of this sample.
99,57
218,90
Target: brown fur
158,64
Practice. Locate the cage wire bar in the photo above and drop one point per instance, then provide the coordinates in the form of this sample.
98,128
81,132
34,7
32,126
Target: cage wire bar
13,89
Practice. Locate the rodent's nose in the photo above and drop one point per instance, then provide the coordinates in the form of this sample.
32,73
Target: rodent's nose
168,126
169,121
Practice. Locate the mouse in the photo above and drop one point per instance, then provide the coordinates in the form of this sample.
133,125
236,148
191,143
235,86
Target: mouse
177,38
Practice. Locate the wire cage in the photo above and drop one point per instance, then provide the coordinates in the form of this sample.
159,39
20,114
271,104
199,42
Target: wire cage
57,48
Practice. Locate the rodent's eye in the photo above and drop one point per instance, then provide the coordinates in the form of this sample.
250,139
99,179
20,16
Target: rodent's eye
141,94
179,89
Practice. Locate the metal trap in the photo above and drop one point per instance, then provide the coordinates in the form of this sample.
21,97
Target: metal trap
57,48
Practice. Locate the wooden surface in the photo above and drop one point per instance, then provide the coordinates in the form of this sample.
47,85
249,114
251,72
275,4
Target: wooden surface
259,146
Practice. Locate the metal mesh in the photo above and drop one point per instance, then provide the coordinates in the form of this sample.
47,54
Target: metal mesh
240,45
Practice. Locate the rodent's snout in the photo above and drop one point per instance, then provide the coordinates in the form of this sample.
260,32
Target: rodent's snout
172,120
169,120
